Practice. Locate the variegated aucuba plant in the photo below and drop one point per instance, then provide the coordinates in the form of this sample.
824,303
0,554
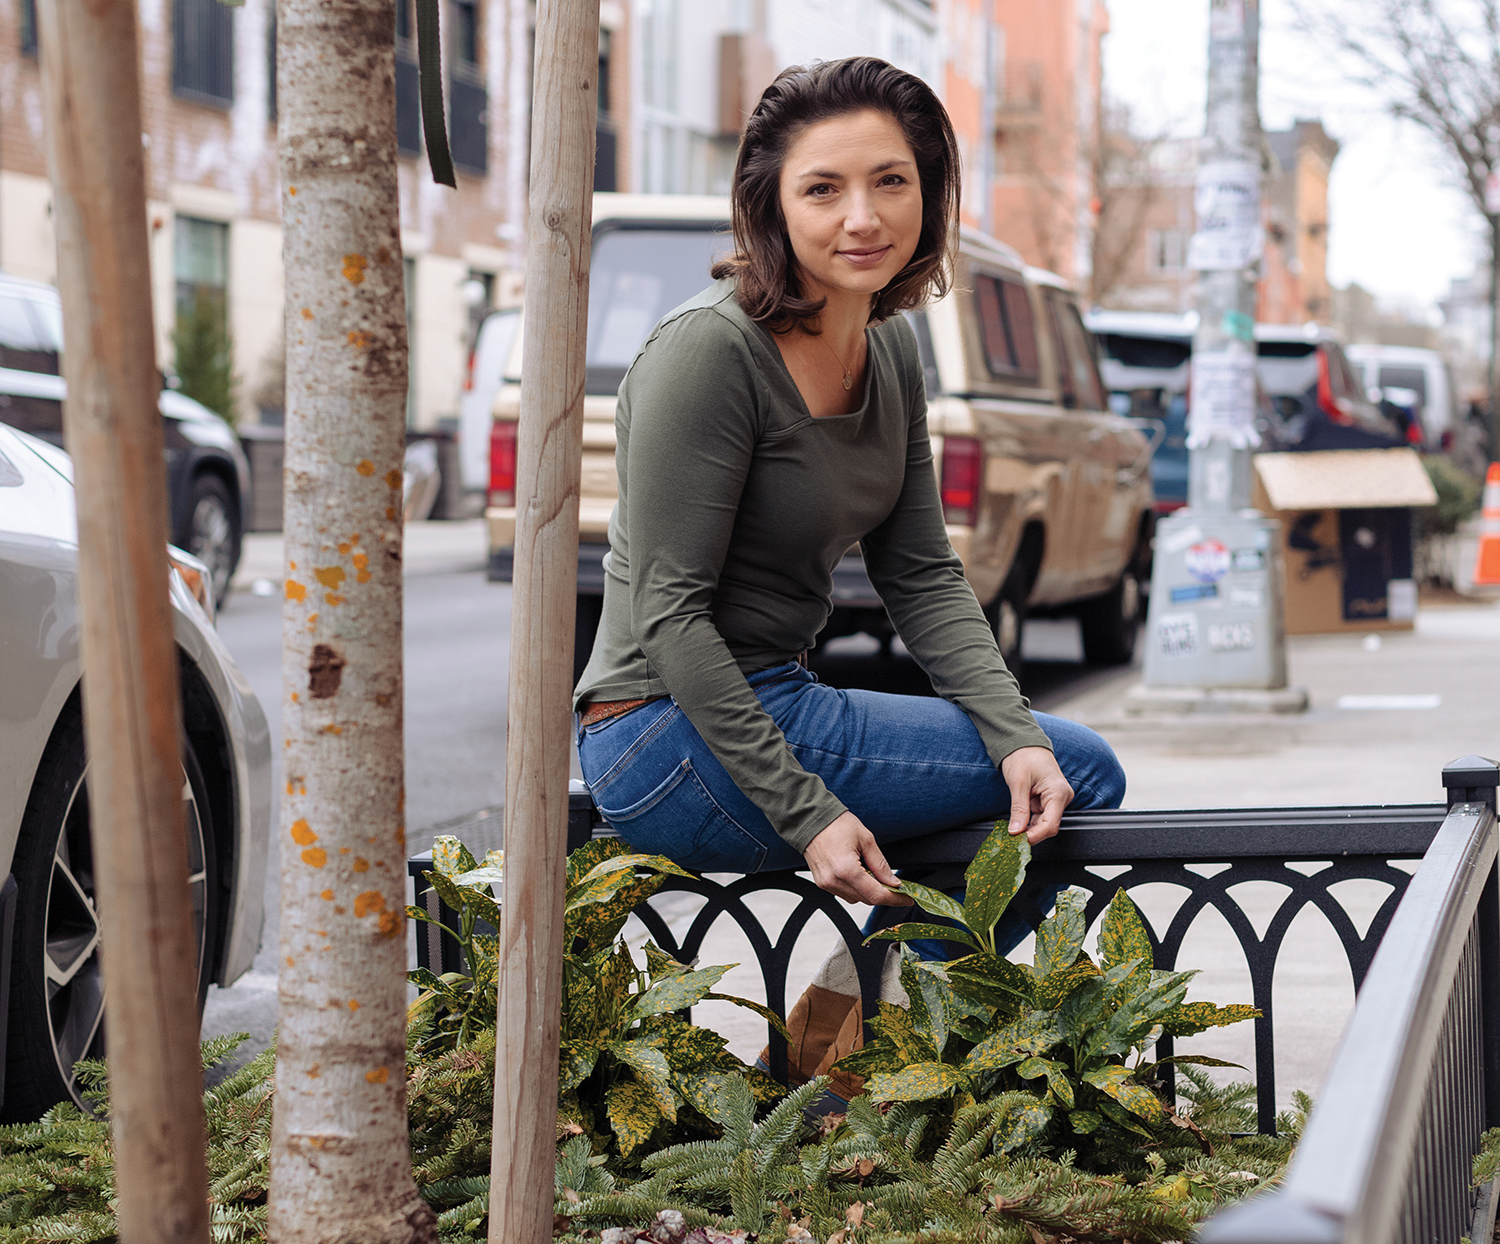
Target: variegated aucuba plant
1067,1032
631,1062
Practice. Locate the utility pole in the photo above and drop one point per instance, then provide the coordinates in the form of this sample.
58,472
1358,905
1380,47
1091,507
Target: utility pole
1216,629
92,96
549,460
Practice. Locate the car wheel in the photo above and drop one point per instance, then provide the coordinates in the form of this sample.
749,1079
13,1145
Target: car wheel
213,535
1110,623
56,1010
1007,615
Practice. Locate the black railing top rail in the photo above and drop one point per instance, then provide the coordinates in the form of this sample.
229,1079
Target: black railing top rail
1355,1158
1393,830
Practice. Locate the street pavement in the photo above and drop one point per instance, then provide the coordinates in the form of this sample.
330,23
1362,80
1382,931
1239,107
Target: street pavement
1442,674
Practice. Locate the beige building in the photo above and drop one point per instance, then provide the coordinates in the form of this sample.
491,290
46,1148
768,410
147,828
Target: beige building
209,115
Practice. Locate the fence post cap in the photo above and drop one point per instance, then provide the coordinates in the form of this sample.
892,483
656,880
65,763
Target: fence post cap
1471,771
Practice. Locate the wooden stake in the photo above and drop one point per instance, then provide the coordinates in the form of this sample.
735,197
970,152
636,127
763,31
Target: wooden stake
114,432
541,646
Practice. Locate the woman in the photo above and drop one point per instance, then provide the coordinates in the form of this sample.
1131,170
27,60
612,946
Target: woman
766,427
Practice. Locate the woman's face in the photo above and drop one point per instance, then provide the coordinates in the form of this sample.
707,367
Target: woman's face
852,204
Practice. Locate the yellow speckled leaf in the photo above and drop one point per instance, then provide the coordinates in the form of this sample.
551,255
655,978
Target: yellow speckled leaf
1055,986
1136,1098
1123,936
992,879
1024,1126
1060,936
450,857
920,1082
633,1113
1194,1017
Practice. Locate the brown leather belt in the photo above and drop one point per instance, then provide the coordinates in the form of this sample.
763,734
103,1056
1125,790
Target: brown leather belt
603,710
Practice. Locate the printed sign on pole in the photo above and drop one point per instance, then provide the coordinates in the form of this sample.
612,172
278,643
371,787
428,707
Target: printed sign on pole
1227,201
1223,399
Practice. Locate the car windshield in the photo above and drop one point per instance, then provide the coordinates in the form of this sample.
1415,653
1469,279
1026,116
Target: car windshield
636,277
1287,368
30,333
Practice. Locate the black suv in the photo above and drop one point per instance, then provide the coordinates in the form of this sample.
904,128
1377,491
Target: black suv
208,479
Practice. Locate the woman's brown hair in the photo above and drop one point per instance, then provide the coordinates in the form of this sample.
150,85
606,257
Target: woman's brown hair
803,95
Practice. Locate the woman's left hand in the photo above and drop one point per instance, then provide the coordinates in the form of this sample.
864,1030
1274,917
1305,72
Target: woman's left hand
1038,792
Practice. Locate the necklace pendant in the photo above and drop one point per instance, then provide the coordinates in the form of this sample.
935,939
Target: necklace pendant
848,381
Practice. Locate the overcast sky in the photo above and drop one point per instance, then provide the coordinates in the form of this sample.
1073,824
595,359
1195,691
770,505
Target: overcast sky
1396,225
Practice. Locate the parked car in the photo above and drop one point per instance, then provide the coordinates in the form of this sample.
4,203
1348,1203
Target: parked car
1047,493
208,478
488,363
1422,373
1319,398
1144,361
49,931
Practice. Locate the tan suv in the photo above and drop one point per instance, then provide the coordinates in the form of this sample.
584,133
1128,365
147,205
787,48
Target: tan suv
1046,492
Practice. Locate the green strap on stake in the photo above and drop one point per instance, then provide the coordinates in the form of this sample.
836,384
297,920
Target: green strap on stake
430,83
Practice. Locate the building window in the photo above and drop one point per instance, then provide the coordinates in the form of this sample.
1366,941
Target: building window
468,101
1166,250
203,51
203,353
408,83
606,175
271,69
28,28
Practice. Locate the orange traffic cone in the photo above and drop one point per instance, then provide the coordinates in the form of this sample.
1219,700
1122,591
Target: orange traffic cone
1487,565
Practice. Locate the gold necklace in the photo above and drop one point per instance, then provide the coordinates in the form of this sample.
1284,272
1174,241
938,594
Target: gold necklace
848,374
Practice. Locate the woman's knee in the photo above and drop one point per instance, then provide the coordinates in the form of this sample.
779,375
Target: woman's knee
1087,761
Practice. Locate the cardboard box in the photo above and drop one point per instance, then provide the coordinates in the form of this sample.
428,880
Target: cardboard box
1346,535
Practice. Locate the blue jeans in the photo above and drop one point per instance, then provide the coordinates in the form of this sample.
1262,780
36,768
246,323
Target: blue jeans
905,765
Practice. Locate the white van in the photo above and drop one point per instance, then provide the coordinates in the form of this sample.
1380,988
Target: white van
1423,372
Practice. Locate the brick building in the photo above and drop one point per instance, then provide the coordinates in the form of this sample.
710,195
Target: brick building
1293,287
209,115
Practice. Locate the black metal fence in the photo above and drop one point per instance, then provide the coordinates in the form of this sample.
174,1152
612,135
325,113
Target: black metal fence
1386,1154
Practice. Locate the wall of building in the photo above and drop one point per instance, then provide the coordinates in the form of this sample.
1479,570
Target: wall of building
219,163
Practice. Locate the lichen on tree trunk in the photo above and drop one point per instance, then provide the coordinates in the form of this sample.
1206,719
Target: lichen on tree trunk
340,1166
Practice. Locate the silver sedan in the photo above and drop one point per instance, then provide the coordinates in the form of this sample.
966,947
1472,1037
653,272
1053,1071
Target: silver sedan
49,931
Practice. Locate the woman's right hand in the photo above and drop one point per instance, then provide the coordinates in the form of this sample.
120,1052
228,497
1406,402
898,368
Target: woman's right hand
846,860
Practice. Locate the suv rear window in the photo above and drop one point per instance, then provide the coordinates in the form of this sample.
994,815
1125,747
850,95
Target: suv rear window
1007,330
1413,378
1287,368
636,276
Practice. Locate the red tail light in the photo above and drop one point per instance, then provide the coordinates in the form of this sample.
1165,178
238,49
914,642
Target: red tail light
1335,408
503,462
469,374
963,469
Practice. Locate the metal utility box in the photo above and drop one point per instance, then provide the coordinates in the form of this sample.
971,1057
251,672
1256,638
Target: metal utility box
1346,535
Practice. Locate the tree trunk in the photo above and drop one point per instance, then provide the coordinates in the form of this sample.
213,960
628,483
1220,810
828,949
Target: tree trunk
131,721
340,1165
542,612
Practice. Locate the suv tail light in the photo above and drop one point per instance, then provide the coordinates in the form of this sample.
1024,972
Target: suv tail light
503,462
963,468
469,373
1336,408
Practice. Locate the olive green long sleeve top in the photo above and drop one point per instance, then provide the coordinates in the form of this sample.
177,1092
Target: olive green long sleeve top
736,505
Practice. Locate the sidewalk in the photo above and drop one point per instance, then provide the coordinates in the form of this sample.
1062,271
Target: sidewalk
430,548
1449,666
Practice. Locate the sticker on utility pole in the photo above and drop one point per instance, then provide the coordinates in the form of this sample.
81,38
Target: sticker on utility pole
1223,399
1231,637
1177,634
1227,201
